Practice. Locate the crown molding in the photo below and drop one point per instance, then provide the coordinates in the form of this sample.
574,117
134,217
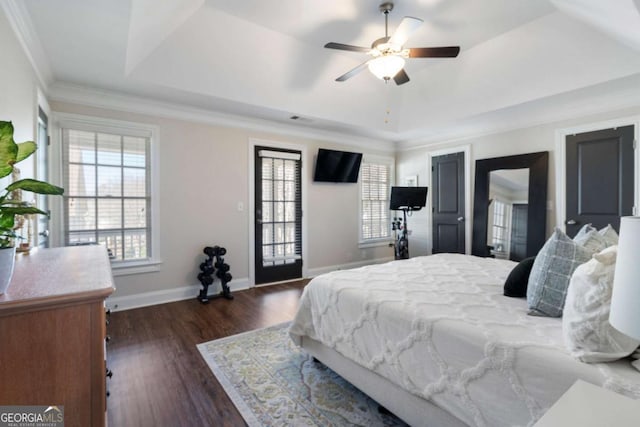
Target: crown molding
585,108
21,24
99,98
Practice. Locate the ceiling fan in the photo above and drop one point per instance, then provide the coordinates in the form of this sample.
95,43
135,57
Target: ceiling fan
388,53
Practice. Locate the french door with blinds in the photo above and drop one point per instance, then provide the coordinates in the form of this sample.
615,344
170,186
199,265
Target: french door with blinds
278,215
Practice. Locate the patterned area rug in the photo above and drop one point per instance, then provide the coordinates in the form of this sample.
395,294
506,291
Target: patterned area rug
274,383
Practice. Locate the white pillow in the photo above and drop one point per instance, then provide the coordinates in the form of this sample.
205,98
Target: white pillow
588,335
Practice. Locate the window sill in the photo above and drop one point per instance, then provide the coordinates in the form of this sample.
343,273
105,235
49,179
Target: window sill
374,243
124,268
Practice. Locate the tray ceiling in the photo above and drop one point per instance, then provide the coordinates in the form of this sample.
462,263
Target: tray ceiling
265,58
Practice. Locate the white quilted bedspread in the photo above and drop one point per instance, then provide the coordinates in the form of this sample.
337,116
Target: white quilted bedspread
439,327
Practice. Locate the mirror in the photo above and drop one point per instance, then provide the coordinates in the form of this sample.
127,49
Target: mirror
508,176
507,216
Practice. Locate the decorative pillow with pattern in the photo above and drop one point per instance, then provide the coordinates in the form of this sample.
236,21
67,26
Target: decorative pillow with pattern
587,332
609,234
592,240
551,272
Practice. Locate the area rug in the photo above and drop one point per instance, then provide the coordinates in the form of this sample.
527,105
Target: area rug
272,382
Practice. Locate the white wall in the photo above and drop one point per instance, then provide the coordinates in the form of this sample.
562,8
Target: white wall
18,85
204,175
521,141
18,95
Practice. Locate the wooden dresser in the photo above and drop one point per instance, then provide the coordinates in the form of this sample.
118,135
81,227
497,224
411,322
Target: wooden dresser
52,332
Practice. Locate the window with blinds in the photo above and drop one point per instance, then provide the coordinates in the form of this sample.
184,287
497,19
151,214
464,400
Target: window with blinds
375,184
500,211
107,192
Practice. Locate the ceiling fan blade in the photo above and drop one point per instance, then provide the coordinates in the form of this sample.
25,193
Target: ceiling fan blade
404,30
401,77
353,72
341,46
434,52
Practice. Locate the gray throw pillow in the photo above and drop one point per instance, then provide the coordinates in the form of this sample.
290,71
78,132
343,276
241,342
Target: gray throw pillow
591,240
609,234
551,272
584,230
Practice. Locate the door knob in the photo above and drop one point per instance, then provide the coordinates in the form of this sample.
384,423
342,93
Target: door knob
44,233
460,218
571,222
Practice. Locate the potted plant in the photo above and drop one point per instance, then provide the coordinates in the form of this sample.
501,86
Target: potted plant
10,154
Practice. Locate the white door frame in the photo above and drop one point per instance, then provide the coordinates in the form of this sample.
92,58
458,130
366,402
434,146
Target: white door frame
561,156
466,149
253,142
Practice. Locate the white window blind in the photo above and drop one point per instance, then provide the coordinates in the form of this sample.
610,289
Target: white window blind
499,225
281,211
375,184
107,192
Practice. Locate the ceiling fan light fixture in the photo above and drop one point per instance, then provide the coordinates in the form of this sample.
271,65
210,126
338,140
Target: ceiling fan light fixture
386,67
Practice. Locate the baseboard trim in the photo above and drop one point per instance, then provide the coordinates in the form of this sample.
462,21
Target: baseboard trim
145,299
312,272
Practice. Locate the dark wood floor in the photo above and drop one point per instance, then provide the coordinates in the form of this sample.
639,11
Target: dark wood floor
159,377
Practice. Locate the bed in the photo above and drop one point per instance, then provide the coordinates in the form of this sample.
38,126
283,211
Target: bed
433,340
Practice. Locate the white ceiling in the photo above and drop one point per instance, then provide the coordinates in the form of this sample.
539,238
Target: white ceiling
520,59
511,179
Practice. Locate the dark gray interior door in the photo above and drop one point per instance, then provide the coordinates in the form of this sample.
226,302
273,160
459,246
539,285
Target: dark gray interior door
518,250
600,175
278,215
447,181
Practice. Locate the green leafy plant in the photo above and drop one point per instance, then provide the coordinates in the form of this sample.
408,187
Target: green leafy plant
10,154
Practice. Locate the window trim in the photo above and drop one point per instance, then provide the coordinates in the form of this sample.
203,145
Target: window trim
375,242
99,124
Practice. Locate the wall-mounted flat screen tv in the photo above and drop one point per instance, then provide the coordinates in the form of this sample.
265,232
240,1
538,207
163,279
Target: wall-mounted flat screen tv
337,166
412,198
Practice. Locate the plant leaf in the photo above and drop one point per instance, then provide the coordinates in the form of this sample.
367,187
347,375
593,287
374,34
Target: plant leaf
35,186
7,222
25,149
26,210
8,149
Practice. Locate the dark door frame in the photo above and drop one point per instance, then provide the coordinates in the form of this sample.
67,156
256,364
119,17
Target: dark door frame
466,149
561,159
253,142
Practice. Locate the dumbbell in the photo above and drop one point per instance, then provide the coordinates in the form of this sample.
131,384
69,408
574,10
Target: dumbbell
224,277
211,251
206,268
205,280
